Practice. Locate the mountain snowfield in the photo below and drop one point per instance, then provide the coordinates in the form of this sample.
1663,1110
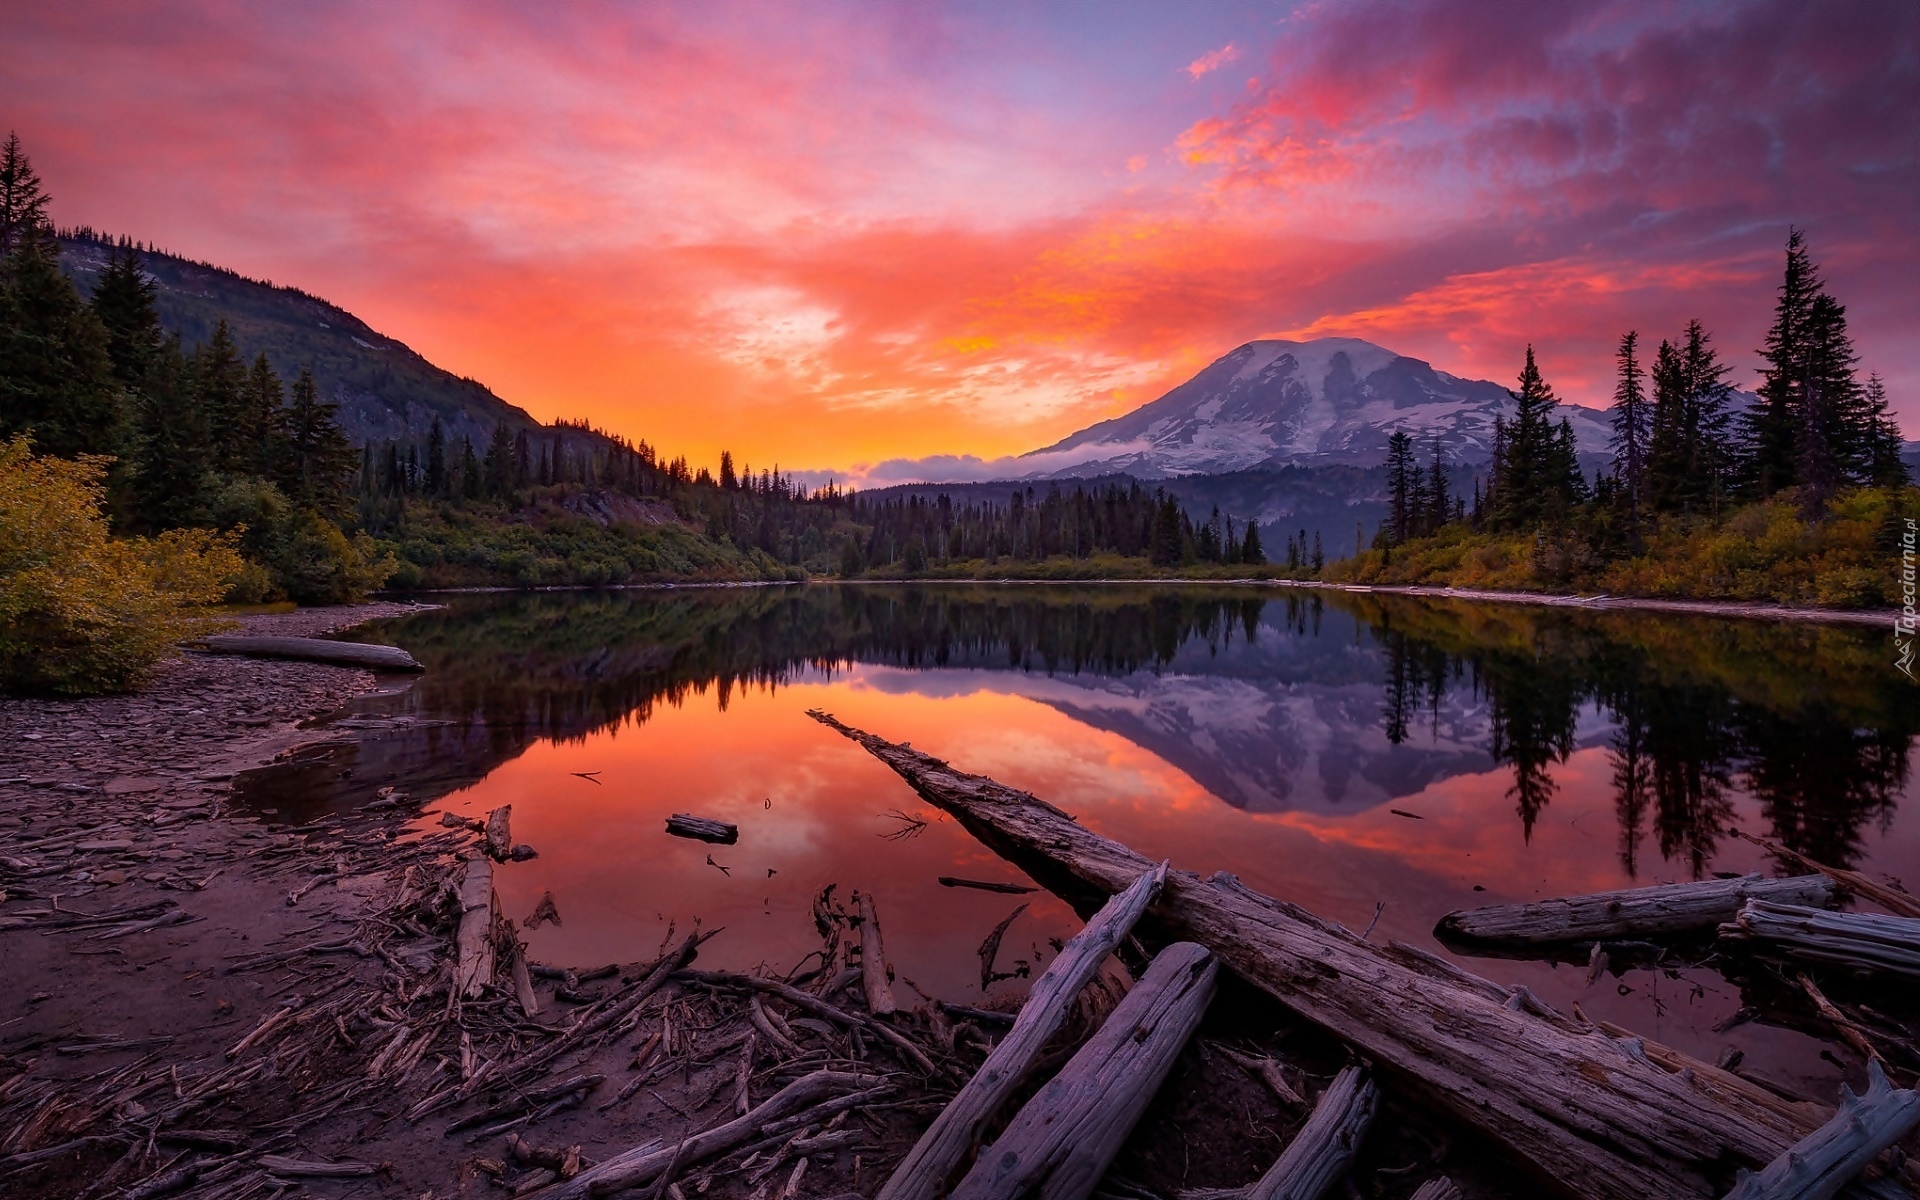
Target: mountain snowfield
1321,402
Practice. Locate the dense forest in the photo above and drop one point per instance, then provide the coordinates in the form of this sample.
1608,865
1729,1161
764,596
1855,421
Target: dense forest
1787,499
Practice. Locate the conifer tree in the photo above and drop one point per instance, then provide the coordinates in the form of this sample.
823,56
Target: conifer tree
1250,549
318,470
499,462
1632,424
57,382
437,461
23,203
1439,501
1771,431
260,416
1883,465
471,482
1529,480
1319,553
124,300
172,450
1402,480
221,375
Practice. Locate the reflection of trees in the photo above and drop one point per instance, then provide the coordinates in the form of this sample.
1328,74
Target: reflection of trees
1820,780
1691,712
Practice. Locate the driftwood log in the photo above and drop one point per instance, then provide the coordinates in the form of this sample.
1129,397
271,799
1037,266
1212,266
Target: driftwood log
1869,943
1636,913
1589,1115
499,834
1326,1145
873,960
1822,1163
475,939
1438,1189
1864,886
1062,1141
927,1172
703,829
320,650
807,1100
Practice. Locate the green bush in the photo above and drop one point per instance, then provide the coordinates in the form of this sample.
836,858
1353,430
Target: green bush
293,552
82,612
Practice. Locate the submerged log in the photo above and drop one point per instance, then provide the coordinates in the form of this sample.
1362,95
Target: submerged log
1589,1117
1864,942
703,829
873,960
927,1171
320,650
1867,888
1063,1140
1822,1163
982,885
1635,913
498,833
475,939
1326,1145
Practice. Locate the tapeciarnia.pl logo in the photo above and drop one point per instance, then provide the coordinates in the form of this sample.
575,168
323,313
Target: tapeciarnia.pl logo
1905,624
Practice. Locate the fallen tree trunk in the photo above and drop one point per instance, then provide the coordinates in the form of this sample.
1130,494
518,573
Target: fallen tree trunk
704,829
320,650
1326,1145
926,1173
499,833
475,939
1063,1140
1866,942
873,960
1591,1118
1822,1163
1632,914
812,1095
1867,888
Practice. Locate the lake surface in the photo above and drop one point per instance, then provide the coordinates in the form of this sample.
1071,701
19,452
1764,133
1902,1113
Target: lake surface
1379,760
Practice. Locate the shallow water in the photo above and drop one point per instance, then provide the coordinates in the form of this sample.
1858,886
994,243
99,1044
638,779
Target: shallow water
1379,760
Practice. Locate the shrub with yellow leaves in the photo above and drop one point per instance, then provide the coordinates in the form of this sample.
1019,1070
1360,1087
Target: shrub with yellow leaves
82,612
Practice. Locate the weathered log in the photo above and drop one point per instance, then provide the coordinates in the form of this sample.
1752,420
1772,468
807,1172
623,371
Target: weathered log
1865,942
981,885
294,1168
1326,1145
1062,1141
475,939
927,1171
320,650
1441,1188
1822,1163
499,842
644,1164
873,960
703,829
1736,1093
1636,913
1866,887
815,1006
1586,1116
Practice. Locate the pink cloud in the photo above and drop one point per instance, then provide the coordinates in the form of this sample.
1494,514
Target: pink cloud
1213,60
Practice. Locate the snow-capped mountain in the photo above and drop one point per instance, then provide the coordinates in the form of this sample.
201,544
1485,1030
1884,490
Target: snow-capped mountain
1274,403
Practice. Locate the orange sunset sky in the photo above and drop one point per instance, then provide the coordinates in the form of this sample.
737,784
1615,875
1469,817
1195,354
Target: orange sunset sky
833,234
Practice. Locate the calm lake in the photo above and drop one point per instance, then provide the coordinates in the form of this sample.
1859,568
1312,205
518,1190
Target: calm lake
1376,759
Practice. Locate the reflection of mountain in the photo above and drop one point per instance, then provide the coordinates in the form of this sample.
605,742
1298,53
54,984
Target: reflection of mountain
1326,703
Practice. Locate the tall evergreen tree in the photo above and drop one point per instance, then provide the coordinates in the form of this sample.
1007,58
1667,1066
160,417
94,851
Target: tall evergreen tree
437,461
261,415
1529,482
23,203
1632,424
1771,429
172,456
499,462
1402,479
1883,467
124,300
318,471
1439,504
57,381
1251,552
221,375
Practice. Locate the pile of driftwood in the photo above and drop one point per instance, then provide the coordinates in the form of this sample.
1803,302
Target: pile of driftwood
1584,1109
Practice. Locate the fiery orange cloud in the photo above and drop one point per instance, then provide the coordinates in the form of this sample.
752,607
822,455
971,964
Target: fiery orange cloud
829,235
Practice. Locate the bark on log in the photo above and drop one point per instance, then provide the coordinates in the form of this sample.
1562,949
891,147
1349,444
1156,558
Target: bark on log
320,650
1326,1145
1865,942
475,971
1867,888
1590,1118
1438,1189
982,885
1632,914
499,837
645,1163
1063,1140
1822,1163
926,1173
873,960
703,829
